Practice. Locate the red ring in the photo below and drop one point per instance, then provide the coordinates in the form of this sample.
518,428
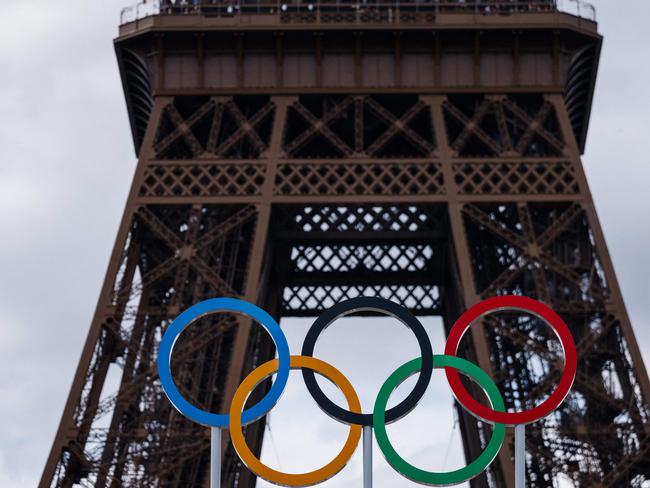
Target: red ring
527,305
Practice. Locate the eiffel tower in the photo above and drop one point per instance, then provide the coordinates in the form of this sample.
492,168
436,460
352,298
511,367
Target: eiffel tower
299,154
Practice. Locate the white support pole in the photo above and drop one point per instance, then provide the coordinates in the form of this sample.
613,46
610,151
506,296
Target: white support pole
215,458
520,456
367,456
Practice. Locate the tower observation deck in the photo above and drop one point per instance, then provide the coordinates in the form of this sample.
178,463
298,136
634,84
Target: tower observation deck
297,154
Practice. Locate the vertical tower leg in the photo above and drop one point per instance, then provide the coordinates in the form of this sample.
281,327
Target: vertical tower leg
465,296
170,253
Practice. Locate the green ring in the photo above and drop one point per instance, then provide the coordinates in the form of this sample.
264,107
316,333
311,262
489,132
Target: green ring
429,477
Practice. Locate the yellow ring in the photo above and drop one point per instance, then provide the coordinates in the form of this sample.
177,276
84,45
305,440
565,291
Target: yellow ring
278,477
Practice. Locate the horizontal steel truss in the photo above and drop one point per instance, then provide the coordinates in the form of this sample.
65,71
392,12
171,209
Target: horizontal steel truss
490,198
316,164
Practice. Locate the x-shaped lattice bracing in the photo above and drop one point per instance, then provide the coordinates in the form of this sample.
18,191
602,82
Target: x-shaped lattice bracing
533,126
395,126
472,126
525,243
246,128
182,352
354,257
219,232
513,177
313,298
320,126
183,128
586,384
362,218
398,125
203,179
356,178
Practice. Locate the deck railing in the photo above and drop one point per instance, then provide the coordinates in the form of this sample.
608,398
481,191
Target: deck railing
359,10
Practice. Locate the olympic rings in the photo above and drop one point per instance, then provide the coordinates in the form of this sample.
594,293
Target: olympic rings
376,305
204,308
287,479
428,477
354,417
527,305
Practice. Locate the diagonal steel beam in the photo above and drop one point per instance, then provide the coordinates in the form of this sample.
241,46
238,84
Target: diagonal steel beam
501,231
219,285
471,126
215,130
397,125
224,228
247,127
320,126
158,227
559,225
504,133
534,125
183,128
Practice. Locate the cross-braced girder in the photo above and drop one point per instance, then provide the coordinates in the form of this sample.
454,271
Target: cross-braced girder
296,201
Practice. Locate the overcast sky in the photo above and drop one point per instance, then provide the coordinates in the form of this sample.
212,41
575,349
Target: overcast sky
66,162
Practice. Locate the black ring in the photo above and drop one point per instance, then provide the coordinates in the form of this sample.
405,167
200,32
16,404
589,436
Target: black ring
376,305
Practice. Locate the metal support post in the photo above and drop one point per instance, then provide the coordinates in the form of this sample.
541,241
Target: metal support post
520,456
367,456
215,458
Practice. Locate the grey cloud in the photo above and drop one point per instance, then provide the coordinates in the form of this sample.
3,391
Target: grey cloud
65,169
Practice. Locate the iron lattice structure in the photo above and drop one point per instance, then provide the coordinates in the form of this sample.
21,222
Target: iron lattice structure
296,157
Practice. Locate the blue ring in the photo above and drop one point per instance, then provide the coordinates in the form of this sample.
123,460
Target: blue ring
222,305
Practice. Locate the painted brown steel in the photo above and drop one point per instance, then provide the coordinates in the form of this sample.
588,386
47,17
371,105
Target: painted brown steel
298,160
